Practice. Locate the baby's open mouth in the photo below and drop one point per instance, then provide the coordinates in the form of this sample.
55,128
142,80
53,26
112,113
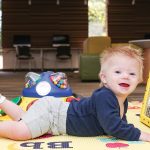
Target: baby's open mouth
124,84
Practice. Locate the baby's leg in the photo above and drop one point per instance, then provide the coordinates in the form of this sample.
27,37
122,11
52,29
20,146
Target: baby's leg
16,130
12,110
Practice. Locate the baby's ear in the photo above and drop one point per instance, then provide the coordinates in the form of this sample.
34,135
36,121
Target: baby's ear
140,80
102,77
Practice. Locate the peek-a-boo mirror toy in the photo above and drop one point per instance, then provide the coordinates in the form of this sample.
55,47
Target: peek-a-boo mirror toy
145,111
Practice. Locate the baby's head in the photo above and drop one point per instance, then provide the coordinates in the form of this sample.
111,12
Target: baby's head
121,65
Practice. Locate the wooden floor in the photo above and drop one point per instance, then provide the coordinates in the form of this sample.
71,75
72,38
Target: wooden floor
12,83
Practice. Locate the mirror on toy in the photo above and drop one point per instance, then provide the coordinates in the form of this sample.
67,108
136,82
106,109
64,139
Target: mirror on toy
148,106
145,112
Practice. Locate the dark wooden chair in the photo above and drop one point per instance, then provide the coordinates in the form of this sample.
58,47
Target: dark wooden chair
63,48
22,44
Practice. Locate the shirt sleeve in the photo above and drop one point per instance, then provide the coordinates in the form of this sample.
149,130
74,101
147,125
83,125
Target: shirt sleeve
108,114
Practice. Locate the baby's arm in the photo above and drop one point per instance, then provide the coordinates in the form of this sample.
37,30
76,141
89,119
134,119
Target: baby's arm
145,137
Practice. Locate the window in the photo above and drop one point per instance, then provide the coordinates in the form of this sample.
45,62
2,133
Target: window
97,17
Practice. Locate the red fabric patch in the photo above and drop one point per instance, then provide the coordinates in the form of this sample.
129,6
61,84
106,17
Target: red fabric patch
30,104
69,99
45,136
116,145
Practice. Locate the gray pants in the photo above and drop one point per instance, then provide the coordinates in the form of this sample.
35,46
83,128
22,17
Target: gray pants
47,115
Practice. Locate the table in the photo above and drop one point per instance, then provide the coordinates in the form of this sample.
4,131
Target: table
42,54
145,44
42,50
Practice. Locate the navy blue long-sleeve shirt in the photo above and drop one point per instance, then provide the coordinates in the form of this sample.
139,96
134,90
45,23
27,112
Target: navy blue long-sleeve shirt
99,115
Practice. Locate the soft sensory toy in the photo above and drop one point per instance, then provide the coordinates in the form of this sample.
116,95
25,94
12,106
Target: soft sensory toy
39,85
46,84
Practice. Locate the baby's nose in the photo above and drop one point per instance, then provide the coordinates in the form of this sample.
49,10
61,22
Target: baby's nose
125,75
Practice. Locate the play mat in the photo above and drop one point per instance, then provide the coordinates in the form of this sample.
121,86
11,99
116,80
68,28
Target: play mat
48,142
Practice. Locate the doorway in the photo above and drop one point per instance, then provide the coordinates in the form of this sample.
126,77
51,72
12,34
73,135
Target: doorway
97,16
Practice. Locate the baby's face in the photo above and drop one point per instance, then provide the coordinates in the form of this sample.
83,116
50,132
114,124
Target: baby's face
121,74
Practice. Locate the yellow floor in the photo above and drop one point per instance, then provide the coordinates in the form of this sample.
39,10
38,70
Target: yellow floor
86,143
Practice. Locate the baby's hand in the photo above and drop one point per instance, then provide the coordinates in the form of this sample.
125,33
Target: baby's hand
145,137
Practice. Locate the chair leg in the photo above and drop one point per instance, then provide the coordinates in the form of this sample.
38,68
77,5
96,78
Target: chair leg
16,64
71,63
34,63
57,61
30,64
19,63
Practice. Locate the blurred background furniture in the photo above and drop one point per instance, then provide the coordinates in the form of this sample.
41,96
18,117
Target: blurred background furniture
89,60
23,56
63,48
63,52
145,44
89,65
21,40
22,44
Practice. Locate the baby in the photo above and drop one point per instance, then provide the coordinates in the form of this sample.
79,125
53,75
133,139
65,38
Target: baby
103,113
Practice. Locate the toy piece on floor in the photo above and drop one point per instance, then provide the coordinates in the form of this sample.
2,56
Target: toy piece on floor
145,112
39,85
